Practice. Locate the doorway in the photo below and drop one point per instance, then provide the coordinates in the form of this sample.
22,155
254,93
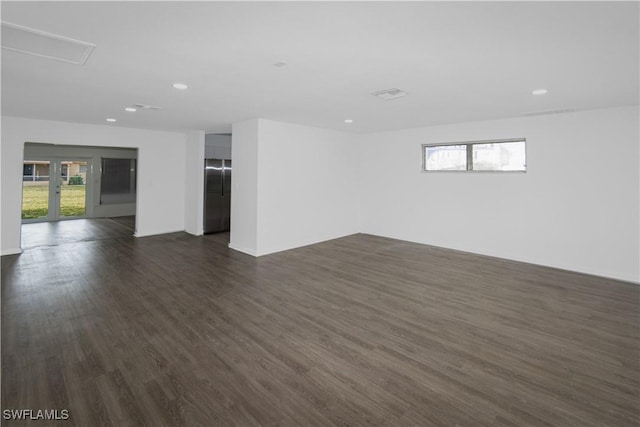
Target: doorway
92,185
54,189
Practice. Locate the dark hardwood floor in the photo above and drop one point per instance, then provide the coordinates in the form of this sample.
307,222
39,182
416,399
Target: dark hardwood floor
177,330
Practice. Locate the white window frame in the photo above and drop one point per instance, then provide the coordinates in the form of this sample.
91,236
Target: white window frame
470,145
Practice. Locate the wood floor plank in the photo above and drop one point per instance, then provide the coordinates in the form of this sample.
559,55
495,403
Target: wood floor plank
177,330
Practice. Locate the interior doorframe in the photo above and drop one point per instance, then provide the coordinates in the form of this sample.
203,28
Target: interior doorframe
93,155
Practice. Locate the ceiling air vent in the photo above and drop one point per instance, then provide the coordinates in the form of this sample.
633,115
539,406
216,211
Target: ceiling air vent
45,45
389,94
549,112
146,107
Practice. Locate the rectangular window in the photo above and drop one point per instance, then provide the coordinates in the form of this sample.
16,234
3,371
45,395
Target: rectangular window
64,168
118,181
446,157
508,155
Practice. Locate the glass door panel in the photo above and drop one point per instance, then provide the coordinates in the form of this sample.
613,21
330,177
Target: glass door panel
73,188
35,189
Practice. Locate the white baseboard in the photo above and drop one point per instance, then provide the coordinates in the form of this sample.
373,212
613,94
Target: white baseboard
13,251
288,247
156,233
251,252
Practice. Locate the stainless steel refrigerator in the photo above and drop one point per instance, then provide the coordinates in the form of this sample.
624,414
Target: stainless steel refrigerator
217,195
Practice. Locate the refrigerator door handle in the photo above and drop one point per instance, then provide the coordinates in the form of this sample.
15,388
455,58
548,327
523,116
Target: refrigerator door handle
222,180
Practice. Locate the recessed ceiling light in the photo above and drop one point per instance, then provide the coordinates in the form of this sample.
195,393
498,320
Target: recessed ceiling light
348,121
111,120
539,92
180,86
130,109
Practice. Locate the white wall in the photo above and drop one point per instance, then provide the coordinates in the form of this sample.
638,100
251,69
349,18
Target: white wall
244,187
161,171
194,191
576,207
307,185
292,186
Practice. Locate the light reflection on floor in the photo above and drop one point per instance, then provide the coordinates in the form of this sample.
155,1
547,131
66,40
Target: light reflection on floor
77,230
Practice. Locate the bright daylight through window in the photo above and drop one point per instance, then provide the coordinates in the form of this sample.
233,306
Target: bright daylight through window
500,155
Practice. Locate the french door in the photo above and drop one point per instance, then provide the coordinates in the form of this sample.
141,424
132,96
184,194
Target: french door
54,189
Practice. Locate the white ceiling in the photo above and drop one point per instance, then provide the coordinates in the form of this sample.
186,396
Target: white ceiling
458,61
